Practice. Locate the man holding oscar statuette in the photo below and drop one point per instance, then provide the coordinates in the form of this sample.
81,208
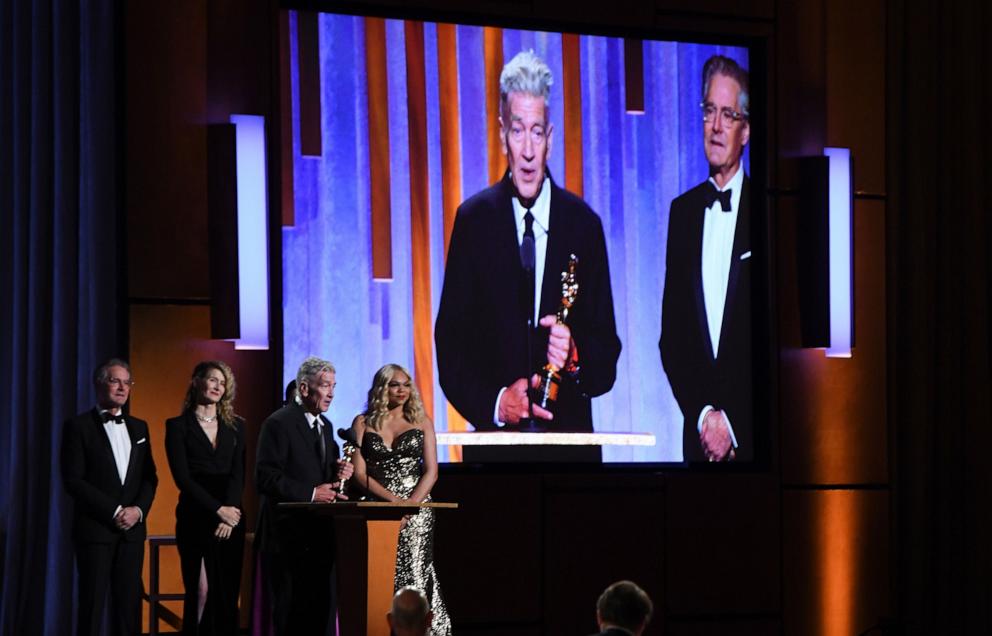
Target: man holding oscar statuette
498,324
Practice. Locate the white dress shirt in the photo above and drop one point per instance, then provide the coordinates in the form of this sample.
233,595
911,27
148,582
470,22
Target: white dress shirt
313,421
718,247
120,444
542,221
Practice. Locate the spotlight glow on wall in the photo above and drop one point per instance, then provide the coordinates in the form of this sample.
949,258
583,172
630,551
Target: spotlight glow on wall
841,253
253,240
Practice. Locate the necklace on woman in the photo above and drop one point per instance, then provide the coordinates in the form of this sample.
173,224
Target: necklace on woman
207,420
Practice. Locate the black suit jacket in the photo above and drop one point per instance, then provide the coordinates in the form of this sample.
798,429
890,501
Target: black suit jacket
91,479
193,460
288,468
697,376
481,331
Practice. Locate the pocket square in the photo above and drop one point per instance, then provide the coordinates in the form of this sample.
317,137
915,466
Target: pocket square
142,440
746,255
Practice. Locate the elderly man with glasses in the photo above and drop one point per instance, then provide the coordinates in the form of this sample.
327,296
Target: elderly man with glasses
706,312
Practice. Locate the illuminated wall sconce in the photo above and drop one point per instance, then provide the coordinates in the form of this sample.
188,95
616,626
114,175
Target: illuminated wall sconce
253,235
238,227
825,256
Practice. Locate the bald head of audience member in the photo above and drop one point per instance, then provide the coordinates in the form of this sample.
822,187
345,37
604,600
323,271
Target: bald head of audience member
624,605
410,614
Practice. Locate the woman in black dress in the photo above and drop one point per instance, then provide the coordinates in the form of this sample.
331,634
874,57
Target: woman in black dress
206,451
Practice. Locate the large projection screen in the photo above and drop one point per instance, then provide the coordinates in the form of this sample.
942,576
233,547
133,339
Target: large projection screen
632,165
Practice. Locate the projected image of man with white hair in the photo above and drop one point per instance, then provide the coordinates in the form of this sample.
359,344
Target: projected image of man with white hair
496,324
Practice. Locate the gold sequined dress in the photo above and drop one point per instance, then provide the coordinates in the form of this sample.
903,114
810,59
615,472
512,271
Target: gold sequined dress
398,469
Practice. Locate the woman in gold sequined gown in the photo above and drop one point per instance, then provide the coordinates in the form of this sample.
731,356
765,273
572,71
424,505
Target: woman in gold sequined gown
398,462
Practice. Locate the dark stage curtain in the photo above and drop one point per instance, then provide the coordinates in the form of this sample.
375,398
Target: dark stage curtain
939,240
59,281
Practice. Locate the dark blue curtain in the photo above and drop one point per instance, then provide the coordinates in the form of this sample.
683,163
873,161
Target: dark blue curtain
59,281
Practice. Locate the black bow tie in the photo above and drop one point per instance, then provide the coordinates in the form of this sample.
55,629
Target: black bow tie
712,194
110,417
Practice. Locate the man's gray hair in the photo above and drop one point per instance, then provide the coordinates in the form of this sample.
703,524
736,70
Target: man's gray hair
311,368
102,372
624,604
409,608
525,73
722,65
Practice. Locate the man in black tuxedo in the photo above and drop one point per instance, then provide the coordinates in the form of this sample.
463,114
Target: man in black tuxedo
496,323
706,313
623,609
108,470
297,460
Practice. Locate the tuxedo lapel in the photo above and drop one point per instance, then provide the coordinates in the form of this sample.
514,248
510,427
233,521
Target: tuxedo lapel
742,242
225,436
326,439
135,435
695,262
555,258
506,249
197,432
104,441
306,438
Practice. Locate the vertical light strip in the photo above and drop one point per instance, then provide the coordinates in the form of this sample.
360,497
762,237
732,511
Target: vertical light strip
451,155
420,211
288,202
841,259
451,163
836,539
308,50
379,174
571,67
253,243
493,52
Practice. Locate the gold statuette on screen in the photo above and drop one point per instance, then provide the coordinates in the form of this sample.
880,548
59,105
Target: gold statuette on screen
348,450
547,390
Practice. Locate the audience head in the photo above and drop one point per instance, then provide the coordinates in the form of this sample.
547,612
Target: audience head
315,385
624,605
410,613
112,381
212,382
291,391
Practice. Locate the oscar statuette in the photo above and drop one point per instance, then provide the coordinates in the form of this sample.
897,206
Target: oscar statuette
547,391
348,449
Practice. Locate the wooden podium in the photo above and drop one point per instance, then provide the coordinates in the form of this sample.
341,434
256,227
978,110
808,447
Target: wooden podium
366,533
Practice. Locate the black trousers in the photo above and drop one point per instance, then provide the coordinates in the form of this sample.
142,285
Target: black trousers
222,562
300,585
113,567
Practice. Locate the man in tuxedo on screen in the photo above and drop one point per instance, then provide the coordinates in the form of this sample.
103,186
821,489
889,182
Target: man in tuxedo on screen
297,460
108,470
706,312
496,323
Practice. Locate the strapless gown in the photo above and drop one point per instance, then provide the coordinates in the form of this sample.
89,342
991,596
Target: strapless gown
398,469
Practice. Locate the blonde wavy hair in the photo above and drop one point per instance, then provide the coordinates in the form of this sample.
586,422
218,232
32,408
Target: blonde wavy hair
225,408
377,407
